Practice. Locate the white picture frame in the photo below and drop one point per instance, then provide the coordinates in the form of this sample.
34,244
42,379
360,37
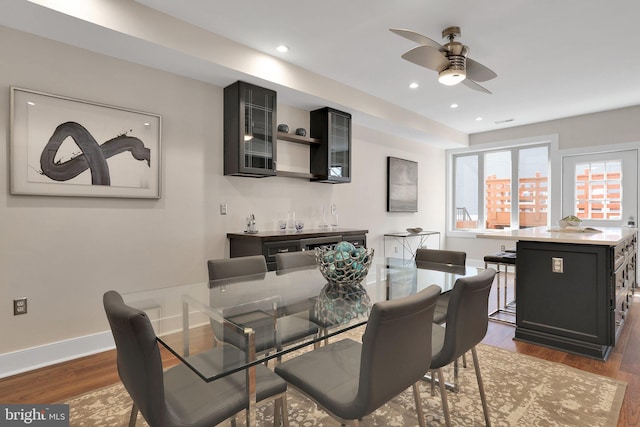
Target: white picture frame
61,146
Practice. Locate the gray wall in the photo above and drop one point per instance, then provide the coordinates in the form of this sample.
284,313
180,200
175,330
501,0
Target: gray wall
589,130
63,252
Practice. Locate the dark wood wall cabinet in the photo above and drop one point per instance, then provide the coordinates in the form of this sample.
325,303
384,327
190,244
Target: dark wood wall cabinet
250,137
580,307
249,130
270,243
330,161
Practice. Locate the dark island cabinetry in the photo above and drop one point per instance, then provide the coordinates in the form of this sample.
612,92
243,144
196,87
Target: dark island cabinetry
574,297
270,243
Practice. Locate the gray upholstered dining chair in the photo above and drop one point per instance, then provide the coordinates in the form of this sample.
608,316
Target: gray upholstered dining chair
466,325
289,329
350,379
225,268
177,396
293,261
446,257
441,256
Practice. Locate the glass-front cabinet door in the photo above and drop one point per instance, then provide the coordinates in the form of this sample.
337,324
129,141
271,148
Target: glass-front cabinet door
249,130
330,161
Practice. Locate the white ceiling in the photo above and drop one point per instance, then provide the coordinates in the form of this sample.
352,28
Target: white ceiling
554,58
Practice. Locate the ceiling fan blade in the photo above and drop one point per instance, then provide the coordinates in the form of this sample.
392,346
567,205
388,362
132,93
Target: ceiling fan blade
415,37
473,85
478,72
428,57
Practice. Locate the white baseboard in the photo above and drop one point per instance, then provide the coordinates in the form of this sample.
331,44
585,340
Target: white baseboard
49,354
29,359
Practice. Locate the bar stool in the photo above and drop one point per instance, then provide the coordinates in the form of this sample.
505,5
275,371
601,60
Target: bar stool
502,261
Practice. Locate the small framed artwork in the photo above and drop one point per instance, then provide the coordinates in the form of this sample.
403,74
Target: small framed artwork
68,147
402,185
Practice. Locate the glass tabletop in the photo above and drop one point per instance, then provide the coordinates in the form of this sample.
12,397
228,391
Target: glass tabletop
404,278
254,314
224,326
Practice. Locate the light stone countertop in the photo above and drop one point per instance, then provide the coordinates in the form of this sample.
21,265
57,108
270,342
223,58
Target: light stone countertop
608,236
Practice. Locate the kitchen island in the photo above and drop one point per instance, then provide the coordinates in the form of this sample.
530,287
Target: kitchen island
573,288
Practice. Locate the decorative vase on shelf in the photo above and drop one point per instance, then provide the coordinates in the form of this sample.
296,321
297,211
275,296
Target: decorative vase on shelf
283,127
334,216
291,220
323,221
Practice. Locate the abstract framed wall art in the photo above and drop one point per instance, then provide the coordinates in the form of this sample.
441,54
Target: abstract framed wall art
68,147
402,185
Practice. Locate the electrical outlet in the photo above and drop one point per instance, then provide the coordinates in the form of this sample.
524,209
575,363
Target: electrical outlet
557,265
20,306
502,248
223,208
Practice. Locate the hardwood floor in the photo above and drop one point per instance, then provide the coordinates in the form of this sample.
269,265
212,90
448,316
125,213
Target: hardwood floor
65,380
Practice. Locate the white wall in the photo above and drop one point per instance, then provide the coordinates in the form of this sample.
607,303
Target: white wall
64,253
609,128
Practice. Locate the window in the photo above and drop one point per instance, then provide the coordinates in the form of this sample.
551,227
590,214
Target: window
497,184
500,188
467,192
533,187
600,188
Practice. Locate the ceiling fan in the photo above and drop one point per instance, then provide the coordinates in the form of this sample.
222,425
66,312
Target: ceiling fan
450,61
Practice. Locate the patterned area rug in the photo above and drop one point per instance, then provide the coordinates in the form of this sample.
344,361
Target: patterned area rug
521,391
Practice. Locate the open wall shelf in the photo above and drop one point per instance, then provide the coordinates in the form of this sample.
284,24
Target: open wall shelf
291,137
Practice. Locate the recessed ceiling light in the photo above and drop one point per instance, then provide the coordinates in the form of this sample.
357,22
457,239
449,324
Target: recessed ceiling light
478,119
454,105
414,85
282,49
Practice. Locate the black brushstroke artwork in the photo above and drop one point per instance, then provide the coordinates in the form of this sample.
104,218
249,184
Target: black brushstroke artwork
94,156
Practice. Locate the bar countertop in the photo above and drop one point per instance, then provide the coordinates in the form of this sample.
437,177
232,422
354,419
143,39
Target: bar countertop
608,236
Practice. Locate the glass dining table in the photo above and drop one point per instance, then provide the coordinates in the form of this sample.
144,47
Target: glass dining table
251,312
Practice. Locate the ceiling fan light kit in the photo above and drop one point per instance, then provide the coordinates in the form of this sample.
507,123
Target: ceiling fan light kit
451,77
449,61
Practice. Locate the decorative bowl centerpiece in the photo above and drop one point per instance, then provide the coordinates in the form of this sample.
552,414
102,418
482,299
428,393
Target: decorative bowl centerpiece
414,230
570,220
344,263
